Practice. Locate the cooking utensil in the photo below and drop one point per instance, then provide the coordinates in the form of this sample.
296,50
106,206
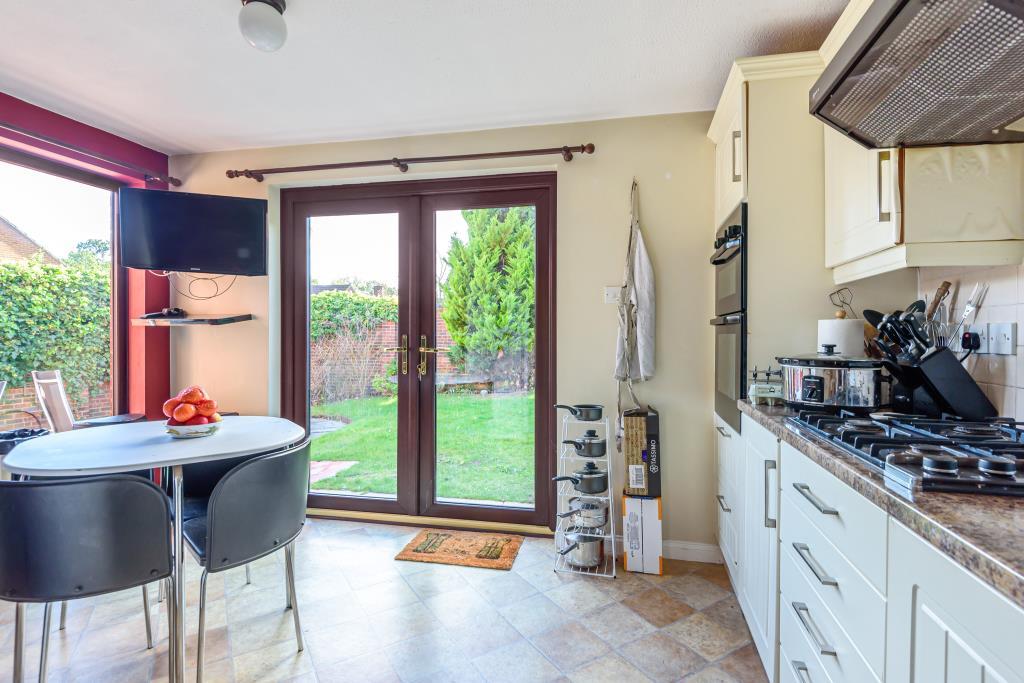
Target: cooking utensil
585,412
916,307
940,294
917,329
972,306
584,550
831,379
589,445
873,317
589,480
587,513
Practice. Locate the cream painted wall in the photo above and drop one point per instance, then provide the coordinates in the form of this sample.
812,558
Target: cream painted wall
674,162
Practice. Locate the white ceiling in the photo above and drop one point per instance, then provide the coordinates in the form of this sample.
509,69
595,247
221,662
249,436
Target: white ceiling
176,74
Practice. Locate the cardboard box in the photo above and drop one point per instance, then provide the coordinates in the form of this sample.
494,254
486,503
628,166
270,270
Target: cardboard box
641,535
641,448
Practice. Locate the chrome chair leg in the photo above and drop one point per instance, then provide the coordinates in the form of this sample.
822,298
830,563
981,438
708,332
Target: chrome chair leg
201,645
168,587
63,615
160,592
289,566
149,625
44,644
19,642
248,575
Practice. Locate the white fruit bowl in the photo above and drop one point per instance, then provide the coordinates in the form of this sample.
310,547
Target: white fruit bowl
192,431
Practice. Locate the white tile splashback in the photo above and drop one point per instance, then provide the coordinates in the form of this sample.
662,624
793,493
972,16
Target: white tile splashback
1001,377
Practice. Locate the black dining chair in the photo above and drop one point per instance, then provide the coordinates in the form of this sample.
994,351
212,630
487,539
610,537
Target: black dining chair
256,509
77,538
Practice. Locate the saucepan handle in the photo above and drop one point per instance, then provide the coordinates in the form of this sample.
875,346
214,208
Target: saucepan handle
568,549
572,409
575,481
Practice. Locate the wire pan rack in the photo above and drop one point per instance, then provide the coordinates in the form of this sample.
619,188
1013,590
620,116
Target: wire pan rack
568,461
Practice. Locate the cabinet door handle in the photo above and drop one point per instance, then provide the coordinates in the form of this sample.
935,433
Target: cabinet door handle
721,504
723,432
736,177
769,523
804,615
805,491
800,669
884,186
819,572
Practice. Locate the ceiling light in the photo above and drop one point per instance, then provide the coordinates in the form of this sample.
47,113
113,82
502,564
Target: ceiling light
262,24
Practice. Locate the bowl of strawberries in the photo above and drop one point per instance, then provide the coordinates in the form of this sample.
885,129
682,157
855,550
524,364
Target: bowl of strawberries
191,414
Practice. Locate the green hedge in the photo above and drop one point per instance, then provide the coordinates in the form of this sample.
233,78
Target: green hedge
55,317
333,311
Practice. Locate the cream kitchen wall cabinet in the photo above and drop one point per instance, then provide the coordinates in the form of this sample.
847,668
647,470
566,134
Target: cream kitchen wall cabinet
943,623
891,209
729,136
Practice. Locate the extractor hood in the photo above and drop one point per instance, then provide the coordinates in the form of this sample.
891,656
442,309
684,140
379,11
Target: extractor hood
916,73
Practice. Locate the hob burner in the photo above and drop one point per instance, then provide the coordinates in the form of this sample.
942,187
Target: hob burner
999,467
939,463
977,430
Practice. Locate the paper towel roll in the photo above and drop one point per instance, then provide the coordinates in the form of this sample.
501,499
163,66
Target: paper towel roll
847,335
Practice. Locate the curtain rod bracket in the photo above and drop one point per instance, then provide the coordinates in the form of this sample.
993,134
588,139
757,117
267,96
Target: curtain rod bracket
399,164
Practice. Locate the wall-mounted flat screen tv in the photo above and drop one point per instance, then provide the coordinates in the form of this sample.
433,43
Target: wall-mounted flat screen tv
192,233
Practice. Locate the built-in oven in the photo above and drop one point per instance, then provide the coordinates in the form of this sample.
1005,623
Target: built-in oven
730,321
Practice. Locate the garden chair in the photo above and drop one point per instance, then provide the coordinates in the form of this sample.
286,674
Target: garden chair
57,409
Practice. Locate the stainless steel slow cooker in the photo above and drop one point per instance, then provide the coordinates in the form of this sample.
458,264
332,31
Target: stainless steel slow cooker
829,379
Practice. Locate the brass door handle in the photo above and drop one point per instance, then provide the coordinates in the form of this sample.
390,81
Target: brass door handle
403,352
421,369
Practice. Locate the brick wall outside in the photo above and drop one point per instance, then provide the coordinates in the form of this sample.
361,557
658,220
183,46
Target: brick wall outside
17,399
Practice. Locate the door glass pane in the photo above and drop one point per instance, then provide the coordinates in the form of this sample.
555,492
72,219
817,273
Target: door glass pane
353,318
484,382
55,288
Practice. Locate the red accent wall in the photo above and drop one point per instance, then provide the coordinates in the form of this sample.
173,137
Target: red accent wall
148,349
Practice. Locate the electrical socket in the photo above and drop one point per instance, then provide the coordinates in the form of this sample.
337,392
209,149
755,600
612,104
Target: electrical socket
1002,338
612,295
982,330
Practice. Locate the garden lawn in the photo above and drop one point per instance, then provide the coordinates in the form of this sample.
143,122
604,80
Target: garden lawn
484,446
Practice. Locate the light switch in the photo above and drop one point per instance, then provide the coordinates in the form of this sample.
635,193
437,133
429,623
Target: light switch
612,295
1002,338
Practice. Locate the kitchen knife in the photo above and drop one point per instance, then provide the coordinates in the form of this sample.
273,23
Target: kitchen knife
917,329
916,307
873,317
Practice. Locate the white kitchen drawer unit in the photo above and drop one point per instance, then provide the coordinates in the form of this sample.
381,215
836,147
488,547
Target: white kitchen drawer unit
819,628
844,590
854,525
798,662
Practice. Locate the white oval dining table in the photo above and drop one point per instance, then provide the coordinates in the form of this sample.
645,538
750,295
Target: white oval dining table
146,445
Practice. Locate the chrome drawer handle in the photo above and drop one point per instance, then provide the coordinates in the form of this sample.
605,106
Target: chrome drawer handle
723,432
800,669
804,615
818,503
819,572
721,504
769,523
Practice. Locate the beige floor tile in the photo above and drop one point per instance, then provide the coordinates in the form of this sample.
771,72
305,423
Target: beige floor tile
716,574
695,591
505,589
130,668
569,646
393,625
534,614
457,606
711,674
221,671
744,665
370,668
425,656
262,631
483,633
318,614
249,604
610,668
435,581
617,624
579,597
461,672
271,664
624,585
657,607
516,663
662,658
394,592
110,642
705,636
544,578
341,642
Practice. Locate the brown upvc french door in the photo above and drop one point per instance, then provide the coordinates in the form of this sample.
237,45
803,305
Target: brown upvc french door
459,275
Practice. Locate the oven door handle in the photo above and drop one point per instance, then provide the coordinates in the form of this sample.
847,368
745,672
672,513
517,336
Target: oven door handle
731,319
727,252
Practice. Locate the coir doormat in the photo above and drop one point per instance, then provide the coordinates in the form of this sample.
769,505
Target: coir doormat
465,548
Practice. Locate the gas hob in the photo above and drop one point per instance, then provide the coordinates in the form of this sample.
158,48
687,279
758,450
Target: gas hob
927,454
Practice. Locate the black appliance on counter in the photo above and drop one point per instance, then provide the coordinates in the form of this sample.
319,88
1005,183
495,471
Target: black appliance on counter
918,453
916,73
730,321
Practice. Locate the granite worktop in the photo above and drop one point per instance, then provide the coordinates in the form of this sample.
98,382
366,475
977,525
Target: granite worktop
984,534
